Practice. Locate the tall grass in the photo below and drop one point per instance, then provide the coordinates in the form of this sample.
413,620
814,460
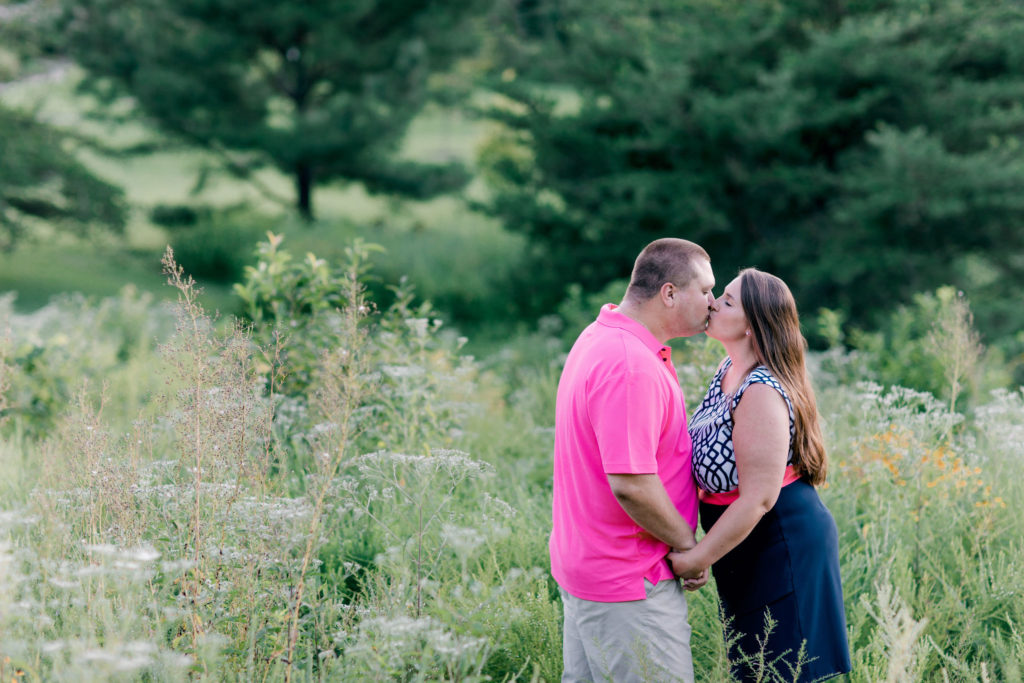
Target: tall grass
190,514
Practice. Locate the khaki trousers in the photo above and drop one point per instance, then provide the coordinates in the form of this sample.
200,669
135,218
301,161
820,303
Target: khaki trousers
640,640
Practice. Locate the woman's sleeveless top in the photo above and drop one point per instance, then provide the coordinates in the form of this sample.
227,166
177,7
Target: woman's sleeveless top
714,461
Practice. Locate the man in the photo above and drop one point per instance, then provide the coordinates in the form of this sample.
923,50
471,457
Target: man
623,491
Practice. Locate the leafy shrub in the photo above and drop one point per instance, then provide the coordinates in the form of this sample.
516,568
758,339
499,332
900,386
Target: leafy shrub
218,247
421,383
177,215
293,307
73,340
930,346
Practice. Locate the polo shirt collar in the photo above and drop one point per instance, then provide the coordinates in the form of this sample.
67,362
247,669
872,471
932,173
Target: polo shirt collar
611,317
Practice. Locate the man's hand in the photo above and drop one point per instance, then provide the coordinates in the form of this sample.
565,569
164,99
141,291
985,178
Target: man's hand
684,566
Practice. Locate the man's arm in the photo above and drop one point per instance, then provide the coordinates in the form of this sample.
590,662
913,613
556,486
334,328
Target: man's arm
645,500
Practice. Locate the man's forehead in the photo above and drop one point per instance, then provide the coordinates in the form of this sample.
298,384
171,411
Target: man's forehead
705,275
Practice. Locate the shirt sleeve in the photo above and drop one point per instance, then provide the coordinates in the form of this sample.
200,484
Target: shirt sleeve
628,414
760,376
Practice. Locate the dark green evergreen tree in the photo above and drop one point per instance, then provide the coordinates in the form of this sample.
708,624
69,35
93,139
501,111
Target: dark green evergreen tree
322,90
41,180
862,150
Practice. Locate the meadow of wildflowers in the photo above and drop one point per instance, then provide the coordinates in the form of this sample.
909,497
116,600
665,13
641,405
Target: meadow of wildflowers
352,497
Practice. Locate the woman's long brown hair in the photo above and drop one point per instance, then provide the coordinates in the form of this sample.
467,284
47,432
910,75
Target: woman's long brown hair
778,344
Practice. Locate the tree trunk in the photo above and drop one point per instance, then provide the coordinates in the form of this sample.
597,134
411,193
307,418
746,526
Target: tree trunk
304,190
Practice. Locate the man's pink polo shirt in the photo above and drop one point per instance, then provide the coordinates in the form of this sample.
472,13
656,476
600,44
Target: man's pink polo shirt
619,410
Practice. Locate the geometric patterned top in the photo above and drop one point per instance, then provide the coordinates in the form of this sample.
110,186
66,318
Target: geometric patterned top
714,462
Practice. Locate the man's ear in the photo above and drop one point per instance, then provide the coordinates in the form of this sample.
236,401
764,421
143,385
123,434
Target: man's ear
668,294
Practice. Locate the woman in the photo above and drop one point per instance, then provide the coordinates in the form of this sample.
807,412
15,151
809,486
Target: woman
757,455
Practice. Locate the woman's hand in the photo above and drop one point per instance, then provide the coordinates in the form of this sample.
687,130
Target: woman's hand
694,584
684,566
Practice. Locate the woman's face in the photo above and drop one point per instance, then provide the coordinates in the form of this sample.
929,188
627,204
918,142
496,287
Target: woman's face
727,321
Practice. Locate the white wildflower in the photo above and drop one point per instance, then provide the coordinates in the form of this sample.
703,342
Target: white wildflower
403,371
10,518
463,540
498,506
105,549
418,326
130,656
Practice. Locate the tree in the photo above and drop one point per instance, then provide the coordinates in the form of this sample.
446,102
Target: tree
40,179
322,90
861,150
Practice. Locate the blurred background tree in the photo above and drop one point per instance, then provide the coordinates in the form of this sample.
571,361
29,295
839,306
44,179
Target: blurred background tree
864,151
42,182
322,91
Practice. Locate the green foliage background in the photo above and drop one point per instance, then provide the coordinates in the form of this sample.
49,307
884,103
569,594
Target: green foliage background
863,151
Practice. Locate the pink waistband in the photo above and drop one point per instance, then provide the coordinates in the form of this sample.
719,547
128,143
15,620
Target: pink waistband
728,497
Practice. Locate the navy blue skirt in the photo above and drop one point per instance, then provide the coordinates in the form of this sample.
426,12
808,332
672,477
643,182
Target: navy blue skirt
788,566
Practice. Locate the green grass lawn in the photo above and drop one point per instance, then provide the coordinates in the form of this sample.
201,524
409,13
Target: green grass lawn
38,272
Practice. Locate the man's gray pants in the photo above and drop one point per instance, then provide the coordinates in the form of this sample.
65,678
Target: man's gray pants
640,640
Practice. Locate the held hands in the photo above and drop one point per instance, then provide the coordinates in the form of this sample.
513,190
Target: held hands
683,566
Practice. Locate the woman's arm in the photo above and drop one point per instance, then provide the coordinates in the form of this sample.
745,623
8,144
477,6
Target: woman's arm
760,440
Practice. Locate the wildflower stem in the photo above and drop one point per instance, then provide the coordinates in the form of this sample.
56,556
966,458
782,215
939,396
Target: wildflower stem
349,393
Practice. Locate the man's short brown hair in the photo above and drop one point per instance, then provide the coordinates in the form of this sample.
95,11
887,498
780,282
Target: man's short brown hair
669,259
